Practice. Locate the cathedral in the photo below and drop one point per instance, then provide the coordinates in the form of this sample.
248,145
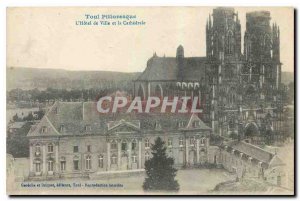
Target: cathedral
240,93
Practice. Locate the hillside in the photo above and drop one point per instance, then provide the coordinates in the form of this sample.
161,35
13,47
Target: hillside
29,78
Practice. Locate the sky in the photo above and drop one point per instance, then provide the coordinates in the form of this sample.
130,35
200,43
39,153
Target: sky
50,38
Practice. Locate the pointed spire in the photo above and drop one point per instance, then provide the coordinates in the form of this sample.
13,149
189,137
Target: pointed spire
209,21
154,54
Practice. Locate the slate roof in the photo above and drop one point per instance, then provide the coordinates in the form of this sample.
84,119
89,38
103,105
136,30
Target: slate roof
75,116
166,69
255,152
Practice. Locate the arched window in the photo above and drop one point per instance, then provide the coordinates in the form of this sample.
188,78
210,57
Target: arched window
114,145
158,91
147,143
134,159
37,149
134,145
147,156
37,165
50,165
124,146
170,142
192,141
230,42
62,164
88,163
202,141
100,161
113,159
50,148
141,92
76,163
181,142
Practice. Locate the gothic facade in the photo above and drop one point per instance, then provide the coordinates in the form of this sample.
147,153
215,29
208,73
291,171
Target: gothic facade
240,93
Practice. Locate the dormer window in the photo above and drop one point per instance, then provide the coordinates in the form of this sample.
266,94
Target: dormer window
56,110
87,128
62,128
157,125
196,124
44,129
180,124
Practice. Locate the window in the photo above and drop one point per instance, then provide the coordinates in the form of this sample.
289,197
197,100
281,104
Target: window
100,161
63,165
88,148
170,143
147,156
75,149
157,126
50,148
62,128
56,110
147,144
134,145
87,128
195,124
88,163
181,142
44,129
124,146
192,141
50,165
113,145
114,159
37,150
180,124
134,158
202,141
38,166
76,164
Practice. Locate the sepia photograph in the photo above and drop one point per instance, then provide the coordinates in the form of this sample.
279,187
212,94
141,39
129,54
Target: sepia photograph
150,101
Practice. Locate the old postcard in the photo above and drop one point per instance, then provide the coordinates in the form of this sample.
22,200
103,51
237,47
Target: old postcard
150,100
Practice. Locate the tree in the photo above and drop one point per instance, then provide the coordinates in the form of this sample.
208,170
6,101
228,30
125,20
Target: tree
18,144
159,169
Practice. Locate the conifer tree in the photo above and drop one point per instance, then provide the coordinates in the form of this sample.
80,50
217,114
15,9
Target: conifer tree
159,169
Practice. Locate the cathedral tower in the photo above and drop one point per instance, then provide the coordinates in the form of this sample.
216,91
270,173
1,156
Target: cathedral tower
261,50
223,34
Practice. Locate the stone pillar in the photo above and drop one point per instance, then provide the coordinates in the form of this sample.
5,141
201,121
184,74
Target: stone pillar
140,154
129,155
44,160
197,149
119,154
186,151
56,158
108,155
31,157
